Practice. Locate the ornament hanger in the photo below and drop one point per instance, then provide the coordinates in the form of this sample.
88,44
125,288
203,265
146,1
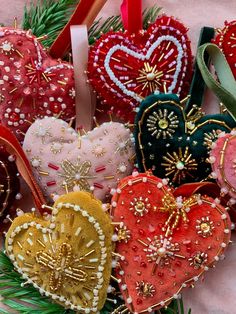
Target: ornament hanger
14,148
225,89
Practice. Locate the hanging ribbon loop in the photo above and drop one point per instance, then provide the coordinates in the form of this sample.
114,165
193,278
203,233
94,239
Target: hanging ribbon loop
225,89
84,14
85,99
13,147
131,13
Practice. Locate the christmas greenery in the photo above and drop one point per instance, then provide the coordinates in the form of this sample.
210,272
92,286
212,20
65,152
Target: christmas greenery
25,299
48,17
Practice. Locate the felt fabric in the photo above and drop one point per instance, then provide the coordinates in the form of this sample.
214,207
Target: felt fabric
123,68
226,41
32,84
216,295
183,140
223,163
158,264
47,252
9,181
64,161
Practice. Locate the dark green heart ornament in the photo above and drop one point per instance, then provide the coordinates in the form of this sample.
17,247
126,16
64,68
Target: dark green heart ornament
173,143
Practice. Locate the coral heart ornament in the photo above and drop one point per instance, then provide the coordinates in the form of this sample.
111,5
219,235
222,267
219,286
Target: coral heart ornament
227,42
32,84
9,182
67,258
166,241
64,161
125,68
224,163
173,143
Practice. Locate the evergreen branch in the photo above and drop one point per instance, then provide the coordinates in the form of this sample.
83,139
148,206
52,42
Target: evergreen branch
48,17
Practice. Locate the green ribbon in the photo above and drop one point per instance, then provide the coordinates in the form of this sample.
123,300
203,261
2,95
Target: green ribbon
225,88
197,87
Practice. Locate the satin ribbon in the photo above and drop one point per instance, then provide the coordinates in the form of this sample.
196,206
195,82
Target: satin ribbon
84,14
85,99
14,148
197,87
225,89
205,188
131,14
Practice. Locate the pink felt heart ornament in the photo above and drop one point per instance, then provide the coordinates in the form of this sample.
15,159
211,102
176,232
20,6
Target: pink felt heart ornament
63,161
223,162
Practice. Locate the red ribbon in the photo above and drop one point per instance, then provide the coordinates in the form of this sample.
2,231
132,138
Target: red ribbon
205,188
84,14
13,147
131,13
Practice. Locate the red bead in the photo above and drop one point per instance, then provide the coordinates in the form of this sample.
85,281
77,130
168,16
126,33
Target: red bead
50,183
50,165
143,264
141,232
98,169
14,117
178,263
139,301
160,274
98,185
134,248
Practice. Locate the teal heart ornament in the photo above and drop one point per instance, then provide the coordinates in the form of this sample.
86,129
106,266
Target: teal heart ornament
174,143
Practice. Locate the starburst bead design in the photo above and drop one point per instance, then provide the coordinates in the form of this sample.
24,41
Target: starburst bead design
150,77
145,289
7,48
162,123
179,165
123,234
161,251
209,138
140,206
76,174
35,73
205,227
43,133
61,266
198,260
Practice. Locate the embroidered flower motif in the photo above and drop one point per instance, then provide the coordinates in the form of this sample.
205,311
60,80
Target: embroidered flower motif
76,175
162,123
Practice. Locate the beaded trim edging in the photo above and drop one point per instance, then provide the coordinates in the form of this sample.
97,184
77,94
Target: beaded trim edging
52,226
163,186
143,57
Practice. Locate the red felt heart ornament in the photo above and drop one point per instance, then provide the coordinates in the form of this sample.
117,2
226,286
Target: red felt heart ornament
226,40
124,68
32,84
166,241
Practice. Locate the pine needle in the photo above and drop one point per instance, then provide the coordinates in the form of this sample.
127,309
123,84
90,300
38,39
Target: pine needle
48,17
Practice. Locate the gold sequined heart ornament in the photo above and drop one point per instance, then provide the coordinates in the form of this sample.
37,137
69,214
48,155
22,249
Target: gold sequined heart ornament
67,258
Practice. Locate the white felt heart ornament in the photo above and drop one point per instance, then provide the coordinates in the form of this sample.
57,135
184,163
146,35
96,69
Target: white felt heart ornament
64,161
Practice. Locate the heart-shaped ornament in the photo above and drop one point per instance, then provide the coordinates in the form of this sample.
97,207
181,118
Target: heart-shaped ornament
32,84
63,161
9,181
175,144
224,163
166,243
125,68
226,40
67,258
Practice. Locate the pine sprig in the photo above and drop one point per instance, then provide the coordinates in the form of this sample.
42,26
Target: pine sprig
25,299
48,17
